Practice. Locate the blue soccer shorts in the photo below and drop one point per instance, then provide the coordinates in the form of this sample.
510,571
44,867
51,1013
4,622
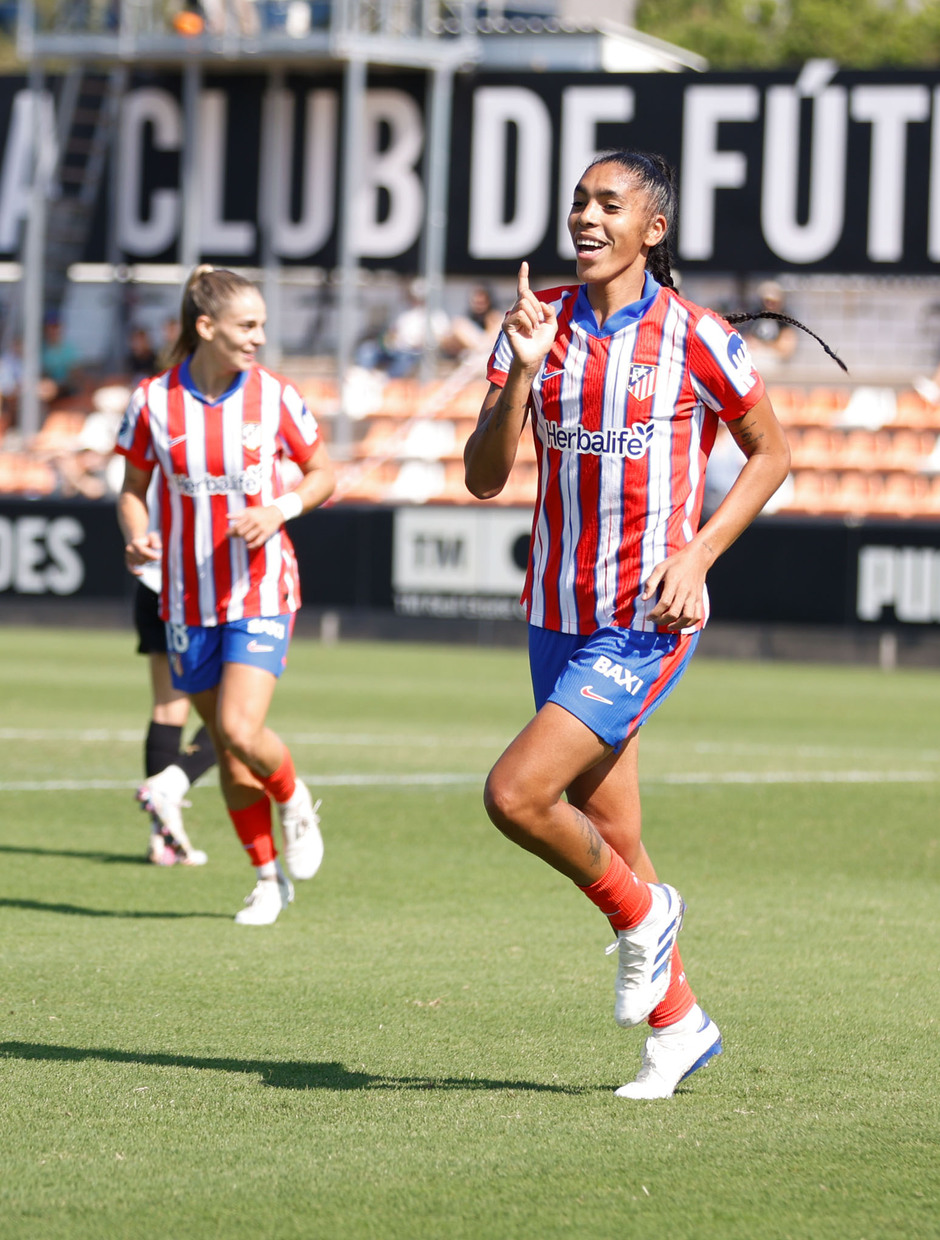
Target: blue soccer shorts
197,653
612,680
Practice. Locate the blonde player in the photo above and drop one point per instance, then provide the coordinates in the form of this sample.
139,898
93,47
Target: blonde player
217,423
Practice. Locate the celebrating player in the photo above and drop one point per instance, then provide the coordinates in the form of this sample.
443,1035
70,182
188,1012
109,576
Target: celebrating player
216,423
624,383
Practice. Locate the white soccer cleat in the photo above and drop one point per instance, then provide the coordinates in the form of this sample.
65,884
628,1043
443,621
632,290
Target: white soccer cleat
195,856
669,1057
162,796
159,850
645,957
303,843
266,901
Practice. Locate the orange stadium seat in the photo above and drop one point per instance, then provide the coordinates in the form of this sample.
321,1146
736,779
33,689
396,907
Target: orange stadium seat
823,404
813,447
813,490
786,401
914,411
904,495
60,429
857,449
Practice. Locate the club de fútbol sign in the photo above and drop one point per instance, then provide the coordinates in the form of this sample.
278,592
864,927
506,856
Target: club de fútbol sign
818,169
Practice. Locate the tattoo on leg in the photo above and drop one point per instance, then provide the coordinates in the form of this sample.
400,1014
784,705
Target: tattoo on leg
591,836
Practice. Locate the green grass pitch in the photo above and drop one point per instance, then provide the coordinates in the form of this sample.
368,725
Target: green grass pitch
423,1046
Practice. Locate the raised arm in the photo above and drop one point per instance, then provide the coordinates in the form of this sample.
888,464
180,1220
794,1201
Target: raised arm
530,328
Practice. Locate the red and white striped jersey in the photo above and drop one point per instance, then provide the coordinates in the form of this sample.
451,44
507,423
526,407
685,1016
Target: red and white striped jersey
623,420
216,460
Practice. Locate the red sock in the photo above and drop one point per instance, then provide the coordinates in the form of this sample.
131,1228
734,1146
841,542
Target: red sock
623,897
678,999
280,784
253,825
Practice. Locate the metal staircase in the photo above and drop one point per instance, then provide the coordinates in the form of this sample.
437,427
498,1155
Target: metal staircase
87,118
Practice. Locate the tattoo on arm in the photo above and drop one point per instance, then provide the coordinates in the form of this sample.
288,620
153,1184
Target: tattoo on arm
498,414
748,435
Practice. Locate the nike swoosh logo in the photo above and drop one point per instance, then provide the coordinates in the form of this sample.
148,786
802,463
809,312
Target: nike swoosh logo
550,374
588,692
173,442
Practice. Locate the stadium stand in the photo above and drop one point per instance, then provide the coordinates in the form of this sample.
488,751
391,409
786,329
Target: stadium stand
856,452
887,465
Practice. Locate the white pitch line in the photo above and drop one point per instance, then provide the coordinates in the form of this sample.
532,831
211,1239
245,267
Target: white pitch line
418,780
800,777
800,751
376,740
455,779
652,747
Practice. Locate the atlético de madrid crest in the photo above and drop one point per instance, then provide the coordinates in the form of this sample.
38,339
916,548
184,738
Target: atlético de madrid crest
251,436
641,381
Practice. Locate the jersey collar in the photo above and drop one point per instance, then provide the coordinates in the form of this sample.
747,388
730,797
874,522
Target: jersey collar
187,381
583,313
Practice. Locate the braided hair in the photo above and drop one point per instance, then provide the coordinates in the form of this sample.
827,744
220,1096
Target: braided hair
656,177
208,291
743,317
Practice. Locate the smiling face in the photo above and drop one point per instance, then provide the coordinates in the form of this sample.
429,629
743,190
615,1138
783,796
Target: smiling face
231,341
613,227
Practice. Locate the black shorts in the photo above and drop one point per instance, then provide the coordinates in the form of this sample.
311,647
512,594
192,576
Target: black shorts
151,631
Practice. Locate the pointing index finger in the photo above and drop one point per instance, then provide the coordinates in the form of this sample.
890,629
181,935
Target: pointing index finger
522,285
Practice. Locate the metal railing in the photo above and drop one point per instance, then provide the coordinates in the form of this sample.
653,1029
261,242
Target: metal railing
437,36
419,31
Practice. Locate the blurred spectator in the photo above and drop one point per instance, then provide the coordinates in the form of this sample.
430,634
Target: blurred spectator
80,474
478,328
59,362
928,387
141,359
196,16
400,348
11,379
84,464
169,333
770,342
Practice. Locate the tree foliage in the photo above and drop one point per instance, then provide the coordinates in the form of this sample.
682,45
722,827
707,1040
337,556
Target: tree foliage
768,34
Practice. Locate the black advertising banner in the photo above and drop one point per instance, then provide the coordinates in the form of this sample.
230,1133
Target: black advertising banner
73,549
463,561
816,170
821,170
797,571
61,550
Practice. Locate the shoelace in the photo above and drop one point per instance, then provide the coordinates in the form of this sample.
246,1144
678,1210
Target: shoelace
629,967
255,894
303,825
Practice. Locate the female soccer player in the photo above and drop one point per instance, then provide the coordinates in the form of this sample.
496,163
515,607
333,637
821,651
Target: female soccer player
216,423
169,767
624,383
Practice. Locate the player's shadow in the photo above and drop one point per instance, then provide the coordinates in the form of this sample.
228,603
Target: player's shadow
77,910
105,858
276,1074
